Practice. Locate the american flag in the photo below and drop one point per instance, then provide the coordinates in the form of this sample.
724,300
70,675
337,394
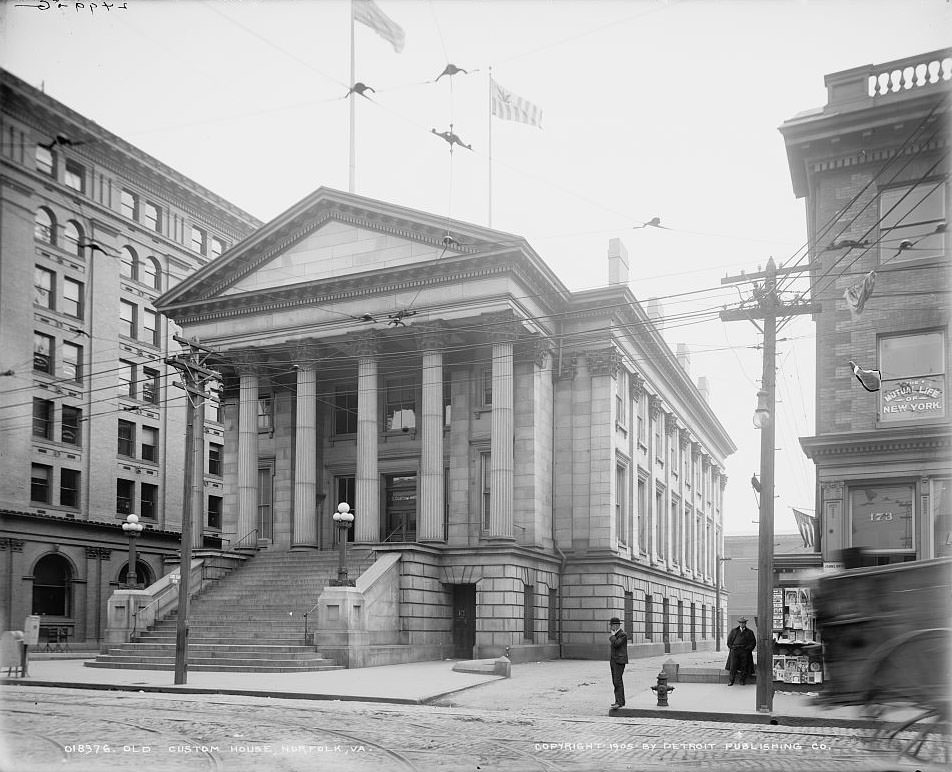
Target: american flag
368,12
808,527
509,107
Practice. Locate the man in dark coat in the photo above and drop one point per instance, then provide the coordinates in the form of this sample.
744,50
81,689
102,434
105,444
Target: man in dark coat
618,660
741,643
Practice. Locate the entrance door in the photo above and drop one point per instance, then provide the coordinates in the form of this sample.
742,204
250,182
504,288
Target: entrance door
401,490
464,620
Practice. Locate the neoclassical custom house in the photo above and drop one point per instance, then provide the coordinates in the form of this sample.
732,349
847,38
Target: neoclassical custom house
530,460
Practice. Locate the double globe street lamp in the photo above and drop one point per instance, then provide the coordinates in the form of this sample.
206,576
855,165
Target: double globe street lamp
133,527
344,518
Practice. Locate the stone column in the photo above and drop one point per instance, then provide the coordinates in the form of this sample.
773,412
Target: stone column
304,532
430,527
367,506
690,535
657,537
247,453
500,507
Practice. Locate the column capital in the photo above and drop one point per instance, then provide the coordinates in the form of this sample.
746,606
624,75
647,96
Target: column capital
637,386
245,362
832,489
431,336
367,345
567,366
723,480
706,461
305,353
604,362
685,439
696,448
670,423
502,327
654,404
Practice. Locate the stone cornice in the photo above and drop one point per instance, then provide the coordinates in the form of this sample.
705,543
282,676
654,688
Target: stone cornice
843,445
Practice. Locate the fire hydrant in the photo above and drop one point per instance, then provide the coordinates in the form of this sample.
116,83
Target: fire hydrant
662,689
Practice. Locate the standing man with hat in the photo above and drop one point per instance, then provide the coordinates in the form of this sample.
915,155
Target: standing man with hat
618,660
741,643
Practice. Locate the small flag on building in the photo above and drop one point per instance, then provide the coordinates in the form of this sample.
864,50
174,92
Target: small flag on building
509,107
857,294
808,527
369,13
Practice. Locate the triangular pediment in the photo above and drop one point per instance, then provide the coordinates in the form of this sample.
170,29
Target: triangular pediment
335,250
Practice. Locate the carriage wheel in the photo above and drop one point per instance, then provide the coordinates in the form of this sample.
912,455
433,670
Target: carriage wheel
910,675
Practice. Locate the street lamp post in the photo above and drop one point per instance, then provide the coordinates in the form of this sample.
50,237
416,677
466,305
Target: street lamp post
344,518
133,527
717,604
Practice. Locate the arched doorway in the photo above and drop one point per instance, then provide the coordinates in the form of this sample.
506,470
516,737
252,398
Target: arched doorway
52,585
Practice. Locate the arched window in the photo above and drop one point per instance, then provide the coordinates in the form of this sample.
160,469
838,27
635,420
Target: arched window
144,575
44,226
152,273
51,586
129,265
73,237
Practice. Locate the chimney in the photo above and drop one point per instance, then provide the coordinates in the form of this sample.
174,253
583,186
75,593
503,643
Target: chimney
617,262
704,387
684,357
656,313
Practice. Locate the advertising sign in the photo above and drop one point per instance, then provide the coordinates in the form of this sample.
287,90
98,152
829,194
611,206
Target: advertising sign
31,630
912,398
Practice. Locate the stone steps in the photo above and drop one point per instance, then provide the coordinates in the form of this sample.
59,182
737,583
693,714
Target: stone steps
250,621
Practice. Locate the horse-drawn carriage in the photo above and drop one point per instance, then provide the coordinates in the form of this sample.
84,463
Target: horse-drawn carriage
887,646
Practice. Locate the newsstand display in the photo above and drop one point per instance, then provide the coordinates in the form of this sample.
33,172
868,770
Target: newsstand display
797,654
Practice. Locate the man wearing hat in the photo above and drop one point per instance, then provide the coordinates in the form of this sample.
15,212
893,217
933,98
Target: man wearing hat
618,660
741,643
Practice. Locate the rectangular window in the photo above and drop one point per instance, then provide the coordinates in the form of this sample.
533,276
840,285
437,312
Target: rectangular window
42,353
150,386
150,443
125,493
345,409
642,515
642,437
148,500
485,486
127,438
266,501
882,518
486,390
75,176
41,483
621,397
673,524
214,512
127,318
218,247
44,288
621,503
659,438
130,205
214,459
528,612
554,614
45,161
70,432
153,217
69,488
913,377
942,527
150,326
199,239
127,379
659,525
73,298
265,414
43,418
649,616
629,615
401,405
213,412
681,620
912,222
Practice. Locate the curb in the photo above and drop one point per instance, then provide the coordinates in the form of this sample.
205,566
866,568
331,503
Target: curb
747,718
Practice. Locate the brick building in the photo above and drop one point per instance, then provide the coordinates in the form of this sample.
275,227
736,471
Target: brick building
539,459
92,230
873,167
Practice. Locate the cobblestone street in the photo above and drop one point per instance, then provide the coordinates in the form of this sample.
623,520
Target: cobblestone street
74,729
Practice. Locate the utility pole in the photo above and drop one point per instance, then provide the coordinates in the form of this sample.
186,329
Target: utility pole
769,307
196,377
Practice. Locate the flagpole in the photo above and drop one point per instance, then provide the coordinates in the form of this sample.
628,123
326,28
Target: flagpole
352,179
490,218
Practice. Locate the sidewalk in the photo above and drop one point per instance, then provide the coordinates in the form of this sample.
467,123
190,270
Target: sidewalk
558,687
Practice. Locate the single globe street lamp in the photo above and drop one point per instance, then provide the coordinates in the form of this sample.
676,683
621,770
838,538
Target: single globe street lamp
133,527
344,519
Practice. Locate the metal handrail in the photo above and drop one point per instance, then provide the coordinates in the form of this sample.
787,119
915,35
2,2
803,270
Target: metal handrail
306,615
239,544
135,616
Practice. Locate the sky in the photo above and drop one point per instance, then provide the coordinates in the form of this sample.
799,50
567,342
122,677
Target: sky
650,108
